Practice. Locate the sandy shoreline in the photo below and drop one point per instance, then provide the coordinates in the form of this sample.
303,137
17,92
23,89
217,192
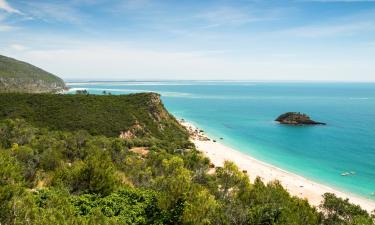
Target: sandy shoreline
295,184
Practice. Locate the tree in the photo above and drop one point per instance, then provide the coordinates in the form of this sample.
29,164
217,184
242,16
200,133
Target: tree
82,92
340,211
231,180
200,207
175,181
29,159
99,175
15,132
11,184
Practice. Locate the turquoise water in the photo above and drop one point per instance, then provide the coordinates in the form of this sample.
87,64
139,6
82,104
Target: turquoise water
243,113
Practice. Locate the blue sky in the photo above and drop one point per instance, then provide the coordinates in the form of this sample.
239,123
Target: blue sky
144,39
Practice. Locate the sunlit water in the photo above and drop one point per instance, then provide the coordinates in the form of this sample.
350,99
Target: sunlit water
243,114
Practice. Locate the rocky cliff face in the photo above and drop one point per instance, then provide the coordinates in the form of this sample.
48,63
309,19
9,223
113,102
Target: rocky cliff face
296,118
156,107
18,76
30,85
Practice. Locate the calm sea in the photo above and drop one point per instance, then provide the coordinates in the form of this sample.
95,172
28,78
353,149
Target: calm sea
243,114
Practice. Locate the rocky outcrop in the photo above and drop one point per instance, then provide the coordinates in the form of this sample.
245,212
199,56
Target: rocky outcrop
296,118
134,131
8,84
156,108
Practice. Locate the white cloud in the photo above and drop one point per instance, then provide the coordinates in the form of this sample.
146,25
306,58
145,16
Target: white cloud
226,15
4,28
113,61
317,31
4,5
235,16
61,12
18,47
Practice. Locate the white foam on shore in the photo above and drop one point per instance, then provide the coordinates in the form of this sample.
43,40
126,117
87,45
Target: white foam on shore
295,184
359,98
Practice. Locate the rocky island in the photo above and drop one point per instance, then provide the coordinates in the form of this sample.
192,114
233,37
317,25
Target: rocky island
296,118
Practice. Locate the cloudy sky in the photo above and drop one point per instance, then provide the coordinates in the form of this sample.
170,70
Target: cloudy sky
196,39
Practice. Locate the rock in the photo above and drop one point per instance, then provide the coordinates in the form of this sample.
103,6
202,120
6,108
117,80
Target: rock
296,118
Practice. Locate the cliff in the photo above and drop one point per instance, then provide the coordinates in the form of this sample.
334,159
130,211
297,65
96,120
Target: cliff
18,76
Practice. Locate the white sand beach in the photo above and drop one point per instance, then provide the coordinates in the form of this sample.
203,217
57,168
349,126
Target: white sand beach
295,184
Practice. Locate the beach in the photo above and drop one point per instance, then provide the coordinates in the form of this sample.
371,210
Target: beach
296,185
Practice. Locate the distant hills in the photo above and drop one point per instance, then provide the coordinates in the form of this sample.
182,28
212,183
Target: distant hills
18,76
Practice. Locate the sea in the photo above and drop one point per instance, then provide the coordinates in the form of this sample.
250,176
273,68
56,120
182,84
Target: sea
243,113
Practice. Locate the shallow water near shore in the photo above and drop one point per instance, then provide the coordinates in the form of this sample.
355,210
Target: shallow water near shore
243,114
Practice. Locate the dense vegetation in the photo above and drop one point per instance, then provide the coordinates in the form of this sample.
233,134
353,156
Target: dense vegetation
50,174
136,115
18,76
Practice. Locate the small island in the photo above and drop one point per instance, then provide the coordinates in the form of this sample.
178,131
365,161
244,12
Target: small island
296,118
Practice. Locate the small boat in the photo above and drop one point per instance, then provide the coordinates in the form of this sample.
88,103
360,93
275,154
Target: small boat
345,174
348,173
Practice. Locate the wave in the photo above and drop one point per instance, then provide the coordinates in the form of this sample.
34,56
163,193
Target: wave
71,90
359,98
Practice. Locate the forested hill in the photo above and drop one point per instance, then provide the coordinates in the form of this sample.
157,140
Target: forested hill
18,76
62,162
132,116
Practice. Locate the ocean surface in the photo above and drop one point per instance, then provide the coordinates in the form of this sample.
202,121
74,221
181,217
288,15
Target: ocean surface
243,114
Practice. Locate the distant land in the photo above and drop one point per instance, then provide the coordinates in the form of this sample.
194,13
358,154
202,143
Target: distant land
18,76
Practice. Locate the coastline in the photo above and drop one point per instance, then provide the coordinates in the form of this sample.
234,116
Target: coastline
295,184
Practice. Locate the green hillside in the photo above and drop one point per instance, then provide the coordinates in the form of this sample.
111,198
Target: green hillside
136,115
18,76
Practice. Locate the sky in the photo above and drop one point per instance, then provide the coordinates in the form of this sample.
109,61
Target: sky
305,40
